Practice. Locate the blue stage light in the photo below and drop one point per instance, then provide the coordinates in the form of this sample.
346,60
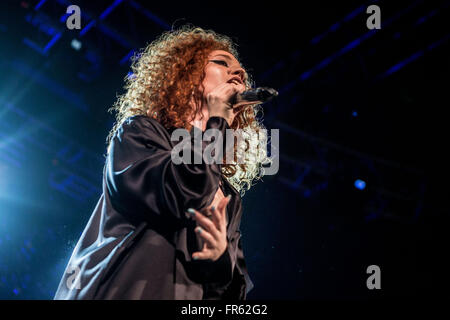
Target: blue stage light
76,44
360,184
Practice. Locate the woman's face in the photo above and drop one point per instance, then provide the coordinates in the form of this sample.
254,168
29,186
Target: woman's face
222,67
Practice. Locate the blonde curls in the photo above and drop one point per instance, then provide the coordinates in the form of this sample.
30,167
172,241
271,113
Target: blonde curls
167,74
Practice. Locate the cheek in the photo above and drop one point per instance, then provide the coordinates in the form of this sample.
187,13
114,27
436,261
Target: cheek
213,77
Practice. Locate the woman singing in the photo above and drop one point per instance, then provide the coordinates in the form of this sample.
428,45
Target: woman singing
163,230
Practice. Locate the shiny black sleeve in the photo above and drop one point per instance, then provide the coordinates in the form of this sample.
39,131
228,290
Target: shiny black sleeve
231,279
141,177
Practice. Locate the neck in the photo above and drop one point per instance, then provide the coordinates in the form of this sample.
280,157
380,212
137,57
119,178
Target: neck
201,118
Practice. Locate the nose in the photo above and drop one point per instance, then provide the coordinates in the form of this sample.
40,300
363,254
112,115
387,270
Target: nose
239,72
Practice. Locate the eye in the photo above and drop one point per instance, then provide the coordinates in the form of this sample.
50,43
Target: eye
221,62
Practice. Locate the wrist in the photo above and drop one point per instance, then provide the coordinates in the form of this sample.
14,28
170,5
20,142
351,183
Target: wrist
221,255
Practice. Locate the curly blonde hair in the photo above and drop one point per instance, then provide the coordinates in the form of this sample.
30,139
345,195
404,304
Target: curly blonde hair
167,74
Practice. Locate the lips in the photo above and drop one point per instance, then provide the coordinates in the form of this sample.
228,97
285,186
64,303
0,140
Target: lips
235,80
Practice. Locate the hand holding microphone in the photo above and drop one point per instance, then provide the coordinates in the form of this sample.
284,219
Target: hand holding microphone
229,98
250,97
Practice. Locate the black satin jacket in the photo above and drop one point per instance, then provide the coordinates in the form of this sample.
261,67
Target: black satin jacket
139,239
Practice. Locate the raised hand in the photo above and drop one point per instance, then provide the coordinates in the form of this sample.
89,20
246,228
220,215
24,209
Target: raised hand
213,231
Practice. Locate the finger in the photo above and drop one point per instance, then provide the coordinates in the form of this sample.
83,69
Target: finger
241,88
234,88
206,236
241,106
230,88
205,222
221,208
223,203
246,103
213,216
202,255
217,217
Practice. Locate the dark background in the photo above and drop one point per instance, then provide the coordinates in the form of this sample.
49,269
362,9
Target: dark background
354,104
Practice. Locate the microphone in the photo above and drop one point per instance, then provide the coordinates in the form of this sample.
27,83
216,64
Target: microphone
257,95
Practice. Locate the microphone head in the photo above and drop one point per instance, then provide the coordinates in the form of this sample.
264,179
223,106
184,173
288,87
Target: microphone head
262,94
265,93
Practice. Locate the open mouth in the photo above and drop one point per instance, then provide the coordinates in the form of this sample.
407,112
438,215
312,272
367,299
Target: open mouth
234,81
